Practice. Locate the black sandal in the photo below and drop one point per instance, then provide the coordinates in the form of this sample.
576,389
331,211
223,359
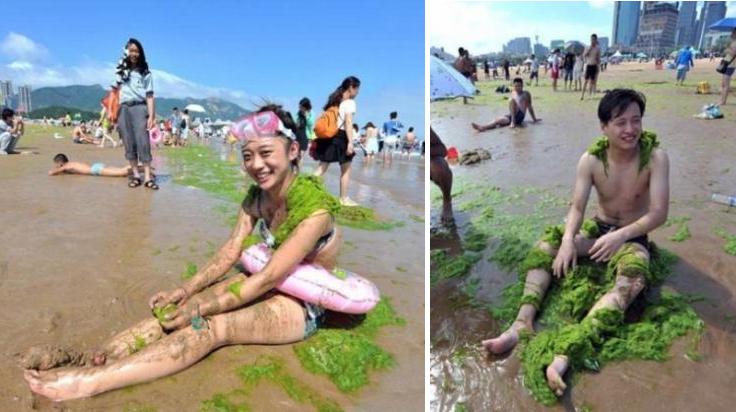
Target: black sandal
134,182
151,185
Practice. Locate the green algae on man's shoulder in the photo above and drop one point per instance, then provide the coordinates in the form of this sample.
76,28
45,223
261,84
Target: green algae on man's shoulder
647,143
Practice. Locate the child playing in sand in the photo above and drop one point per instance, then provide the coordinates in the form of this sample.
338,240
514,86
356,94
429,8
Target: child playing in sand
11,129
63,165
630,174
519,102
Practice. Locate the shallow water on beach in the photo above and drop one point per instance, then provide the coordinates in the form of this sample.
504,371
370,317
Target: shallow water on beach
80,256
544,156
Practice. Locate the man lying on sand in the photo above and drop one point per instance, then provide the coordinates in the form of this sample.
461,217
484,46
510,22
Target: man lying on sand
63,165
631,177
80,135
519,102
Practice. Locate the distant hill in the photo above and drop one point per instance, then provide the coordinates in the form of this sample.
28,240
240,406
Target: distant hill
55,112
87,98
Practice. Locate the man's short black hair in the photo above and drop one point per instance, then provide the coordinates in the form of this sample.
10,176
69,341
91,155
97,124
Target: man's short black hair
175,109
617,101
393,115
61,157
518,80
7,113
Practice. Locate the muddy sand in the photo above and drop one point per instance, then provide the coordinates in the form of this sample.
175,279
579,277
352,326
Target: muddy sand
80,257
533,171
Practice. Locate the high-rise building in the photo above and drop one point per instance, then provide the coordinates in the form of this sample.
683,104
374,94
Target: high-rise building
24,99
519,45
711,12
657,29
686,24
603,43
557,44
626,22
540,50
6,88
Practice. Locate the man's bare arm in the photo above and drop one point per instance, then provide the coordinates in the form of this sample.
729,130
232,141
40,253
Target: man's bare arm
659,198
583,185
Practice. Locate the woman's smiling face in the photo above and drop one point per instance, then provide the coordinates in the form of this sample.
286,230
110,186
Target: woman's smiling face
268,160
133,53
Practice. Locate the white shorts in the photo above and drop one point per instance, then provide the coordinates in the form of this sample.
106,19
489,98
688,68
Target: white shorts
577,75
174,130
184,133
391,142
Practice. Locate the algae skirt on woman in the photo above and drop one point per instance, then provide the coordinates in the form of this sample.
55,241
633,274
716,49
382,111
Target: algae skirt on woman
334,149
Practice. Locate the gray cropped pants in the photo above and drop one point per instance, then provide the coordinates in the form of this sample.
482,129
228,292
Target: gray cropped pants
132,122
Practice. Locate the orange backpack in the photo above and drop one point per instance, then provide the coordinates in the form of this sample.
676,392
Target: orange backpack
326,126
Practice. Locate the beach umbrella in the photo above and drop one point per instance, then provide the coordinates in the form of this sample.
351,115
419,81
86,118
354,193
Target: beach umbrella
528,61
77,115
727,24
446,82
195,108
574,47
642,55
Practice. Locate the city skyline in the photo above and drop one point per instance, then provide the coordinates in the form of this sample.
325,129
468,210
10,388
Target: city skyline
456,24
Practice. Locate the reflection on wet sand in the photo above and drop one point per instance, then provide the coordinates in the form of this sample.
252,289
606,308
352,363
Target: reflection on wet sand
543,157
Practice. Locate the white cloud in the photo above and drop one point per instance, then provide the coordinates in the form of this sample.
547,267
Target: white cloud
483,27
23,51
600,4
20,47
20,65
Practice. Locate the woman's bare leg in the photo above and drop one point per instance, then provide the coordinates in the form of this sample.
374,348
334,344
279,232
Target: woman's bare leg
277,320
321,168
725,86
344,180
149,329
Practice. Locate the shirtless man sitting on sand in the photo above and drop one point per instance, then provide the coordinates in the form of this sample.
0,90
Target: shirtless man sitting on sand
519,103
64,166
631,176
80,135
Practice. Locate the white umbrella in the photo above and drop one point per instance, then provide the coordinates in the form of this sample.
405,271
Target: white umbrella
574,47
195,108
446,82
528,61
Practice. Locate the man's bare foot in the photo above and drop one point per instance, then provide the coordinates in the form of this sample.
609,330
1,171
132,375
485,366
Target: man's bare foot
477,127
555,372
58,385
507,340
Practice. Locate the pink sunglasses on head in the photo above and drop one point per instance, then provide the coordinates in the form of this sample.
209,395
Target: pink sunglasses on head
257,125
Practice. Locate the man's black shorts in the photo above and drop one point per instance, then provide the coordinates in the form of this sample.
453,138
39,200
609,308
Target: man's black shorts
591,72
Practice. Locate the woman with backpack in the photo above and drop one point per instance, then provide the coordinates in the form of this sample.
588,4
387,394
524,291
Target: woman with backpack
137,111
339,148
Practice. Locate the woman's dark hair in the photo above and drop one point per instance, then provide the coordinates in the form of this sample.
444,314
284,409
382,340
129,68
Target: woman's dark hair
142,63
369,124
617,101
305,103
288,122
411,129
61,157
336,97
7,113
355,127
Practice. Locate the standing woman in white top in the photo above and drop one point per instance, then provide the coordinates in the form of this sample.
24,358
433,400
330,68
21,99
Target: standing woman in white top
340,148
137,111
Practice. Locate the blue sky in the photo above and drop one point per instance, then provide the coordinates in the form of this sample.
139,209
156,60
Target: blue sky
238,50
485,27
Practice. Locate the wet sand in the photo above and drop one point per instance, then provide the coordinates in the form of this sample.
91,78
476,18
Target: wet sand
80,257
544,155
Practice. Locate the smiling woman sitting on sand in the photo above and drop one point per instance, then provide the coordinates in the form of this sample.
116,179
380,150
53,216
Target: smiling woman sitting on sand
297,215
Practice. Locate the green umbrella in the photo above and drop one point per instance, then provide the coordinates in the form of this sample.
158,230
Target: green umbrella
78,115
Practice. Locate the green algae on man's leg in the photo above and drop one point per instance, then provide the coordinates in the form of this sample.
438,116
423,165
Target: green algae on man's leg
161,313
235,288
189,272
